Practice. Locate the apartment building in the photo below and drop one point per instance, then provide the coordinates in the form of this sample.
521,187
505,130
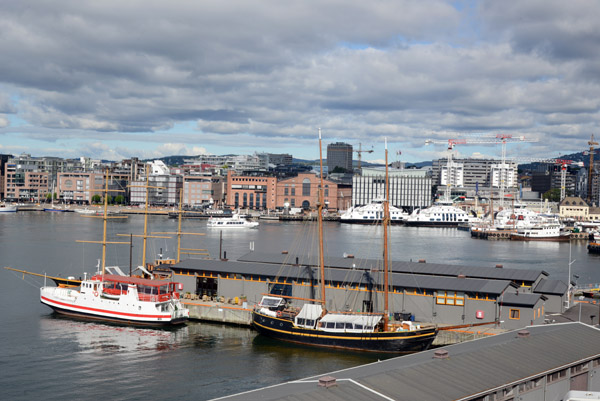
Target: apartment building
80,187
339,154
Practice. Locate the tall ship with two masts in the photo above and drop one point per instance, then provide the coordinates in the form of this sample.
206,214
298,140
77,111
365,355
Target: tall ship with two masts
314,325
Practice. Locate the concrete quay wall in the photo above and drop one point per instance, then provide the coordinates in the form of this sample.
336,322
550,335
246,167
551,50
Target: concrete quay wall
219,312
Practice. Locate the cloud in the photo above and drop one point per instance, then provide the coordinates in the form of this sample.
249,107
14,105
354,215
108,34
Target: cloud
266,75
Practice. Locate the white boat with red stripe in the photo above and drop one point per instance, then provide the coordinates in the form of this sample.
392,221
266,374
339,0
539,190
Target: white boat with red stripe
119,299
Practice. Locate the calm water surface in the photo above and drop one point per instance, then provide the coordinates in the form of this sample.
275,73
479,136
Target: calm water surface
46,356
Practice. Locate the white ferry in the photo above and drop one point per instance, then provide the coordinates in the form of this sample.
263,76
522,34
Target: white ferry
541,232
372,213
235,221
441,214
120,299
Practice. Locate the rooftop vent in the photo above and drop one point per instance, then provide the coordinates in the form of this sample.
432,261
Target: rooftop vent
422,261
327,381
284,252
462,276
523,333
499,266
441,354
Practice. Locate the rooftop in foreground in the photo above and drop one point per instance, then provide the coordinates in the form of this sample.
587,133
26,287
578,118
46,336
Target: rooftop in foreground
470,370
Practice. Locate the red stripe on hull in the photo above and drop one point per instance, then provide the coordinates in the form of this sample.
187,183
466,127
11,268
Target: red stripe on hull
85,308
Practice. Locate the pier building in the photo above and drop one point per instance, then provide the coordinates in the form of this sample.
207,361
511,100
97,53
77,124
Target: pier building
441,299
546,362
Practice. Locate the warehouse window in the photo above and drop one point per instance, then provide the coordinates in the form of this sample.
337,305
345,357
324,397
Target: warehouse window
515,314
450,298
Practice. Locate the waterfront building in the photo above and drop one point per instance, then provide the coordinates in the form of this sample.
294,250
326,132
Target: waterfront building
164,187
302,191
409,188
238,163
429,298
22,185
547,362
339,155
133,168
198,190
252,192
3,160
80,187
573,207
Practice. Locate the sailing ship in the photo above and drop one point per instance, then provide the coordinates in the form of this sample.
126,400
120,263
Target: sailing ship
314,325
118,298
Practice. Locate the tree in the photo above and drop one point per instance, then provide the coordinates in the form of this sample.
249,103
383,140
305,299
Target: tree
119,199
109,199
553,195
96,199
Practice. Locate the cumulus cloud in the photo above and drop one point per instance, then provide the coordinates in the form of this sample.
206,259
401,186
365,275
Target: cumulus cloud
267,74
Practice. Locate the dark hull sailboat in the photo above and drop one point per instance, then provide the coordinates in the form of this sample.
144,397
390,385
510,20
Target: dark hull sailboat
284,329
314,325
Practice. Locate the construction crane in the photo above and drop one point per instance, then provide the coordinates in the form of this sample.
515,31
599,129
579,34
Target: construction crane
502,139
591,142
360,152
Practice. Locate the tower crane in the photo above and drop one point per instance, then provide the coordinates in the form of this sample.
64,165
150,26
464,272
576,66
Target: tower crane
591,142
360,152
502,139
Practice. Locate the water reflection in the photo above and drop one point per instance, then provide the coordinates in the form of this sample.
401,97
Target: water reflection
92,337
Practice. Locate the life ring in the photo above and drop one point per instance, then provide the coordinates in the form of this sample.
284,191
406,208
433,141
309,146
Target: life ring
95,293
278,313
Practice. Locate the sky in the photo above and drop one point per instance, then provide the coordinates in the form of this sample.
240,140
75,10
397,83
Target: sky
115,79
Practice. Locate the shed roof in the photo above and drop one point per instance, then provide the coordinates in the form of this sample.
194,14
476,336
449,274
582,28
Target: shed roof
349,276
438,269
554,287
473,368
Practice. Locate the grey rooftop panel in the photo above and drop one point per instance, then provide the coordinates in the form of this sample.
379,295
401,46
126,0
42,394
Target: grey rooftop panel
472,368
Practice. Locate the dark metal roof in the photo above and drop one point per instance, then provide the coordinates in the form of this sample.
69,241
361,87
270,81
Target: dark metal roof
555,287
516,275
473,368
520,299
349,276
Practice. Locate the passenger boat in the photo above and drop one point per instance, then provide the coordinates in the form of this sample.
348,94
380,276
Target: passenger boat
4,208
541,232
314,325
441,214
372,213
118,298
234,221
121,299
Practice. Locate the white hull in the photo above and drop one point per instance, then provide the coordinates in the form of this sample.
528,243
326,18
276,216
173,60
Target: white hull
439,215
235,221
372,213
126,309
8,209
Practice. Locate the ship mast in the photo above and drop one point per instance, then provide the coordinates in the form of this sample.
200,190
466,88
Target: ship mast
385,224
320,220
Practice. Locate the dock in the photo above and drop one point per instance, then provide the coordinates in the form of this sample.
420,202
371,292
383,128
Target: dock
241,315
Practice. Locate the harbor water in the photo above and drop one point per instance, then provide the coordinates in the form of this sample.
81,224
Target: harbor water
50,357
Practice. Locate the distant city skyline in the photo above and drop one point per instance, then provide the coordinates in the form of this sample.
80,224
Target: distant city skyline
115,80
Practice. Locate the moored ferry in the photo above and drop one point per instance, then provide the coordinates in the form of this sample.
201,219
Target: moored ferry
441,214
372,213
120,299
